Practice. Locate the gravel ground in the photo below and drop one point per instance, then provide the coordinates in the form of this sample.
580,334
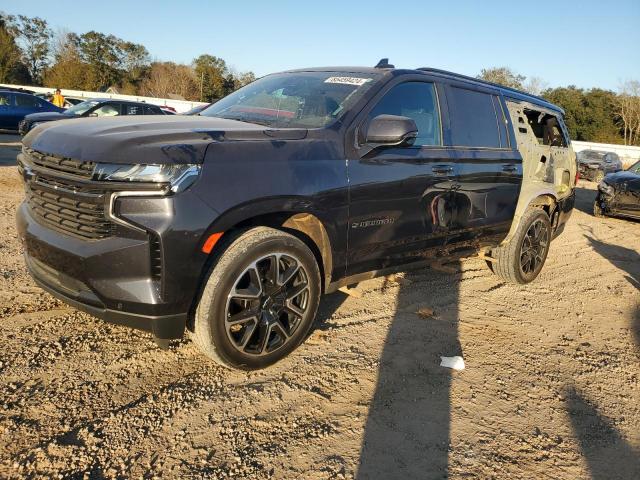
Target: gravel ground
550,389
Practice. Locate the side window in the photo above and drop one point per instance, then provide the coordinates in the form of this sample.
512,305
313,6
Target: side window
152,110
546,128
474,121
26,101
5,99
131,109
106,110
416,100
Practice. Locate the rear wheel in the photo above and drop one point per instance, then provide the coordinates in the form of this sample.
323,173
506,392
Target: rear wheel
259,301
522,258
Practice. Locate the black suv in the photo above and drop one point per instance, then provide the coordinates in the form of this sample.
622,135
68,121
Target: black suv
96,107
232,223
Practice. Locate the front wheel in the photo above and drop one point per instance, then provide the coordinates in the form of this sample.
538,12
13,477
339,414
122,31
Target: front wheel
522,258
259,301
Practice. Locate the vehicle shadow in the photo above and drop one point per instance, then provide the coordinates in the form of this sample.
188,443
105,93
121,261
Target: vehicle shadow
584,199
627,260
623,258
407,429
609,456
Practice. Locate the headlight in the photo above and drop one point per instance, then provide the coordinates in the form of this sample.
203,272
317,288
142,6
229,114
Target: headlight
178,176
605,188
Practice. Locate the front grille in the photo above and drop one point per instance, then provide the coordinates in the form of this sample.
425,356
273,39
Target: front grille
60,164
81,216
56,200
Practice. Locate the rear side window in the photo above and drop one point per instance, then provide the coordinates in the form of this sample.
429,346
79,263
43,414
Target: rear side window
416,100
128,109
26,101
474,122
151,110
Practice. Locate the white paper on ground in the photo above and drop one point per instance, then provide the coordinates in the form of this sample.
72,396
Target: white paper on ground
457,363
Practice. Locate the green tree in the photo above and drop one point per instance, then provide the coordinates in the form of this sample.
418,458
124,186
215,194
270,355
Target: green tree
103,57
12,70
34,37
212,76
135,64
68,69
503,76
590,115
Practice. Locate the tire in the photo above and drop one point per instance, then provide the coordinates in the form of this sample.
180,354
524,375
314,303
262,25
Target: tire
599,176
271,318
524,247
597,210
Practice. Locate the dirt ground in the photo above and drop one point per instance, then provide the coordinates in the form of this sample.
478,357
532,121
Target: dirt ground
551,387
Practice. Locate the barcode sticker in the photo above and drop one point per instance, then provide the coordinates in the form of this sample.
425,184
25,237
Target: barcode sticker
348,80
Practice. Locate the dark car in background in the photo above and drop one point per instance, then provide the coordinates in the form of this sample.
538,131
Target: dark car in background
96,107
15,105
619,194
594,165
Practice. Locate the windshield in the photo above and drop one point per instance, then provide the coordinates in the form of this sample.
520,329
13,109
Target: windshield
592,156
635,168
300,99
80,108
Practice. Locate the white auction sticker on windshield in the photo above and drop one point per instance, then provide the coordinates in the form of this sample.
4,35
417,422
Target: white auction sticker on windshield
348,80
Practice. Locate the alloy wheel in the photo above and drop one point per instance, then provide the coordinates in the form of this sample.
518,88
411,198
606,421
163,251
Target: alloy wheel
266,304
534,247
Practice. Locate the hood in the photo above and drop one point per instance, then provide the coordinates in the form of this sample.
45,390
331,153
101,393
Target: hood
47,117
620,177
152,139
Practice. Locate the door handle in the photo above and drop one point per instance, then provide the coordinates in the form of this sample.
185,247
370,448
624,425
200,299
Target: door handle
442,169
509,168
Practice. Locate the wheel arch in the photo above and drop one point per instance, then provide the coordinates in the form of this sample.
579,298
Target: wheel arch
545,199
293,216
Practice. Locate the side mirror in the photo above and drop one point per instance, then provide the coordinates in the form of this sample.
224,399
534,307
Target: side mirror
391,131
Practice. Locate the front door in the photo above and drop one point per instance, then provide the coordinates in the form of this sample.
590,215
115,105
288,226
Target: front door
398,195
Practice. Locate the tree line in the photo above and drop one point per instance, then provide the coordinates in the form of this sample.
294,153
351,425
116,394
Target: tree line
31,54
592,115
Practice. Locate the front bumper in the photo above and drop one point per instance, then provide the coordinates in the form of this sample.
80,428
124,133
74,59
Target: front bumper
115,278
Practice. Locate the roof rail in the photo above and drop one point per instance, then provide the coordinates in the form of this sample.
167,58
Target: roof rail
479,80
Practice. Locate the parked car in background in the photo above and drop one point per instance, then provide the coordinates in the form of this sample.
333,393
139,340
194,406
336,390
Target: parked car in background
96,107
167,111
197,109
14,106
619,194
594,165
71,101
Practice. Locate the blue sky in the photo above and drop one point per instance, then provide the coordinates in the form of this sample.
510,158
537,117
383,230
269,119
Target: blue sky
589,43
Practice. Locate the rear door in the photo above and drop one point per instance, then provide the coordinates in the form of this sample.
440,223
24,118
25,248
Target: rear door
395,191
489,167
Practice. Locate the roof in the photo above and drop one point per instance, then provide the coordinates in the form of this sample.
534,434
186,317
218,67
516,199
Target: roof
506,91
99,99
